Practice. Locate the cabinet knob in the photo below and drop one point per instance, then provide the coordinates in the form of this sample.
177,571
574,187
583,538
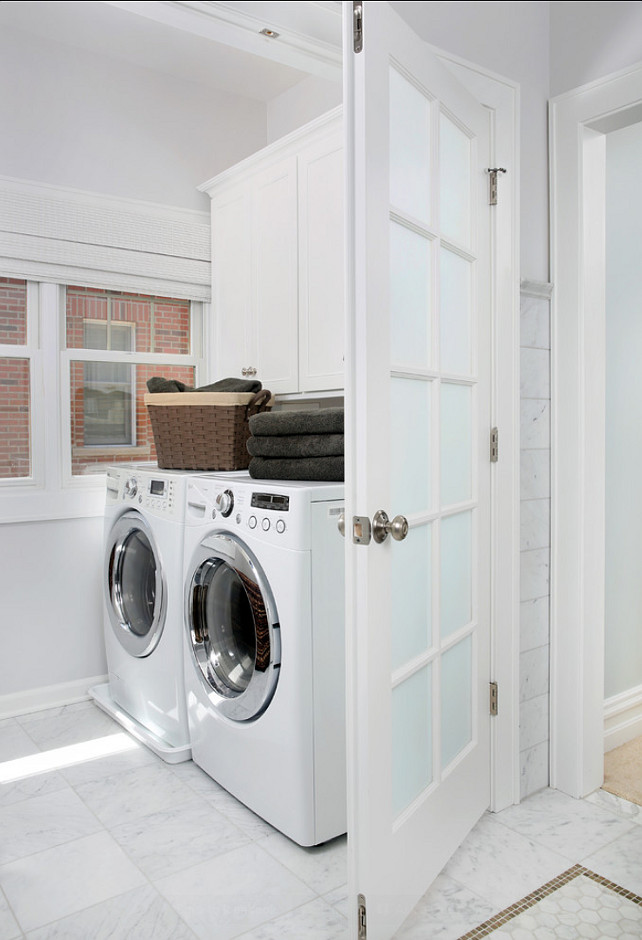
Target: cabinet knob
248,370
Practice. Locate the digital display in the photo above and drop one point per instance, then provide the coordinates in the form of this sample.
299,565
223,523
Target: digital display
270,501
157,487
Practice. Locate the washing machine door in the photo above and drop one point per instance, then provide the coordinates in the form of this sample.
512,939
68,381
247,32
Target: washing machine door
233,628
135,585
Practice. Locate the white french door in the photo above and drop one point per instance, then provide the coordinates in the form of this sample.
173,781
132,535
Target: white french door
418,418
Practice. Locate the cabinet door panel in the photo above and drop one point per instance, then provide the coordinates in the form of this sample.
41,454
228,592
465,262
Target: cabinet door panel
321,261
274,313
231,283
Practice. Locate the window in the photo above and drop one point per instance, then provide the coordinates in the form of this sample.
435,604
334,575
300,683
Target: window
15,381
74,365
115,343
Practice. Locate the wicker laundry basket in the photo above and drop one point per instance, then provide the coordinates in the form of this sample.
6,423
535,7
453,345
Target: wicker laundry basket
204,430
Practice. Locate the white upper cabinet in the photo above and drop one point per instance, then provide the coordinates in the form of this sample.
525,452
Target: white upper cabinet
277,262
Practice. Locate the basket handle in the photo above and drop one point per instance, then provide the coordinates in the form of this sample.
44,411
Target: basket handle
259,402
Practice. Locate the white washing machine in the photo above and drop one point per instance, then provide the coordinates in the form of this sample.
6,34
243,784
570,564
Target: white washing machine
143,607
264,658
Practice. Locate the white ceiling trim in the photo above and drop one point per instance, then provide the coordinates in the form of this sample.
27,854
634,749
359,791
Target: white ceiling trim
222,23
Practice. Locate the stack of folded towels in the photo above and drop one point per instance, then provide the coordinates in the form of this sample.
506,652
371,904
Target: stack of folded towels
297,445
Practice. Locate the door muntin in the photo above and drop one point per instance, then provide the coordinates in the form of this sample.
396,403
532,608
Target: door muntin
233,628
135,588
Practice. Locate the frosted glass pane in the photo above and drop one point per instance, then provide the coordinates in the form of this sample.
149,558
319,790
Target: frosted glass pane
411,739
456,443
410,439
456,700
412,595
454,181
410,317
454,313
456,572
409,148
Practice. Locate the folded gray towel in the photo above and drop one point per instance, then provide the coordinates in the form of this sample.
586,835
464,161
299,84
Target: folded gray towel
159,384
277,423
326,469
297,445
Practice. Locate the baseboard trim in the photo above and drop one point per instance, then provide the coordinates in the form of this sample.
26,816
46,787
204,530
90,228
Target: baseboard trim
50,696
622,718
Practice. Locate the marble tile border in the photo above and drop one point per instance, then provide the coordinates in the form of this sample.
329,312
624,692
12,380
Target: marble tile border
499,920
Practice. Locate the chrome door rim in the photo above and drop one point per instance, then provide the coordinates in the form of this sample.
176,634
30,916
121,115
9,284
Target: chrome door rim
225,549
125,527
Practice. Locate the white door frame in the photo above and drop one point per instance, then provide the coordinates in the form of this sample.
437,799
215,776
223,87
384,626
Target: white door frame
579,121
501,97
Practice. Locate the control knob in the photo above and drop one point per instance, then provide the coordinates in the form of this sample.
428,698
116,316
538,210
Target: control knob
225,502
131,487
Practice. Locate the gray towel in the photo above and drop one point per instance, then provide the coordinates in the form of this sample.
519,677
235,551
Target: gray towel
297,445
159,384
326,469
277,423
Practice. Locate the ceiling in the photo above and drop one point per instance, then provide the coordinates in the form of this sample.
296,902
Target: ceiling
181,39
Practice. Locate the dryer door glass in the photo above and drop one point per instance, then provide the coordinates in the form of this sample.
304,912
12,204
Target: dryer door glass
135,595
234,633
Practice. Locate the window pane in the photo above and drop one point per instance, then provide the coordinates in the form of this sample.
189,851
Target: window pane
411,739
456,700
15,449
98,319
13,311
410,148
109,420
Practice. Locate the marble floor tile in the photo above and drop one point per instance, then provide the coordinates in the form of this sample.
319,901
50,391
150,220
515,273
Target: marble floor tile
615,804
42,822
234,893
141,914
448,909
98,768
64,880
314,921
502,866
569,827
339,899
621,861
9,929
136,793
14,741
324,867
178,838
36,785
71,724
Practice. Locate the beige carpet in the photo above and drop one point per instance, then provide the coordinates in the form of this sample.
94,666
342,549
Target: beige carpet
623,771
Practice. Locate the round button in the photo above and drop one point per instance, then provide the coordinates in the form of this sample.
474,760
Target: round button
238,518
265,524
280,527
225,502
252,522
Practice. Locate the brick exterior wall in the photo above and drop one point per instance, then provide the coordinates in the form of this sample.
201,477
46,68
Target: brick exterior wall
15,450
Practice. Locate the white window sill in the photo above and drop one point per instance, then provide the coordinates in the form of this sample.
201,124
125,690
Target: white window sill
29,504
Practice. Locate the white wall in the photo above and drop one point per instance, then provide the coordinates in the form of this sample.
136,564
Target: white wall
50,586
623,640
87,121
302,103
591,40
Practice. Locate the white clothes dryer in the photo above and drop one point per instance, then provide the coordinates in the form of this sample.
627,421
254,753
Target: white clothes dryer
264,658
143,607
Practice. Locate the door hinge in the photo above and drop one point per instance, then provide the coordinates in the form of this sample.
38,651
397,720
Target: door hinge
357,26
494,699
494,445
492,173
361,923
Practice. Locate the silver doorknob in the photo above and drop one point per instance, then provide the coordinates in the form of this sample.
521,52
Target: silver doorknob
341,524
382,527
